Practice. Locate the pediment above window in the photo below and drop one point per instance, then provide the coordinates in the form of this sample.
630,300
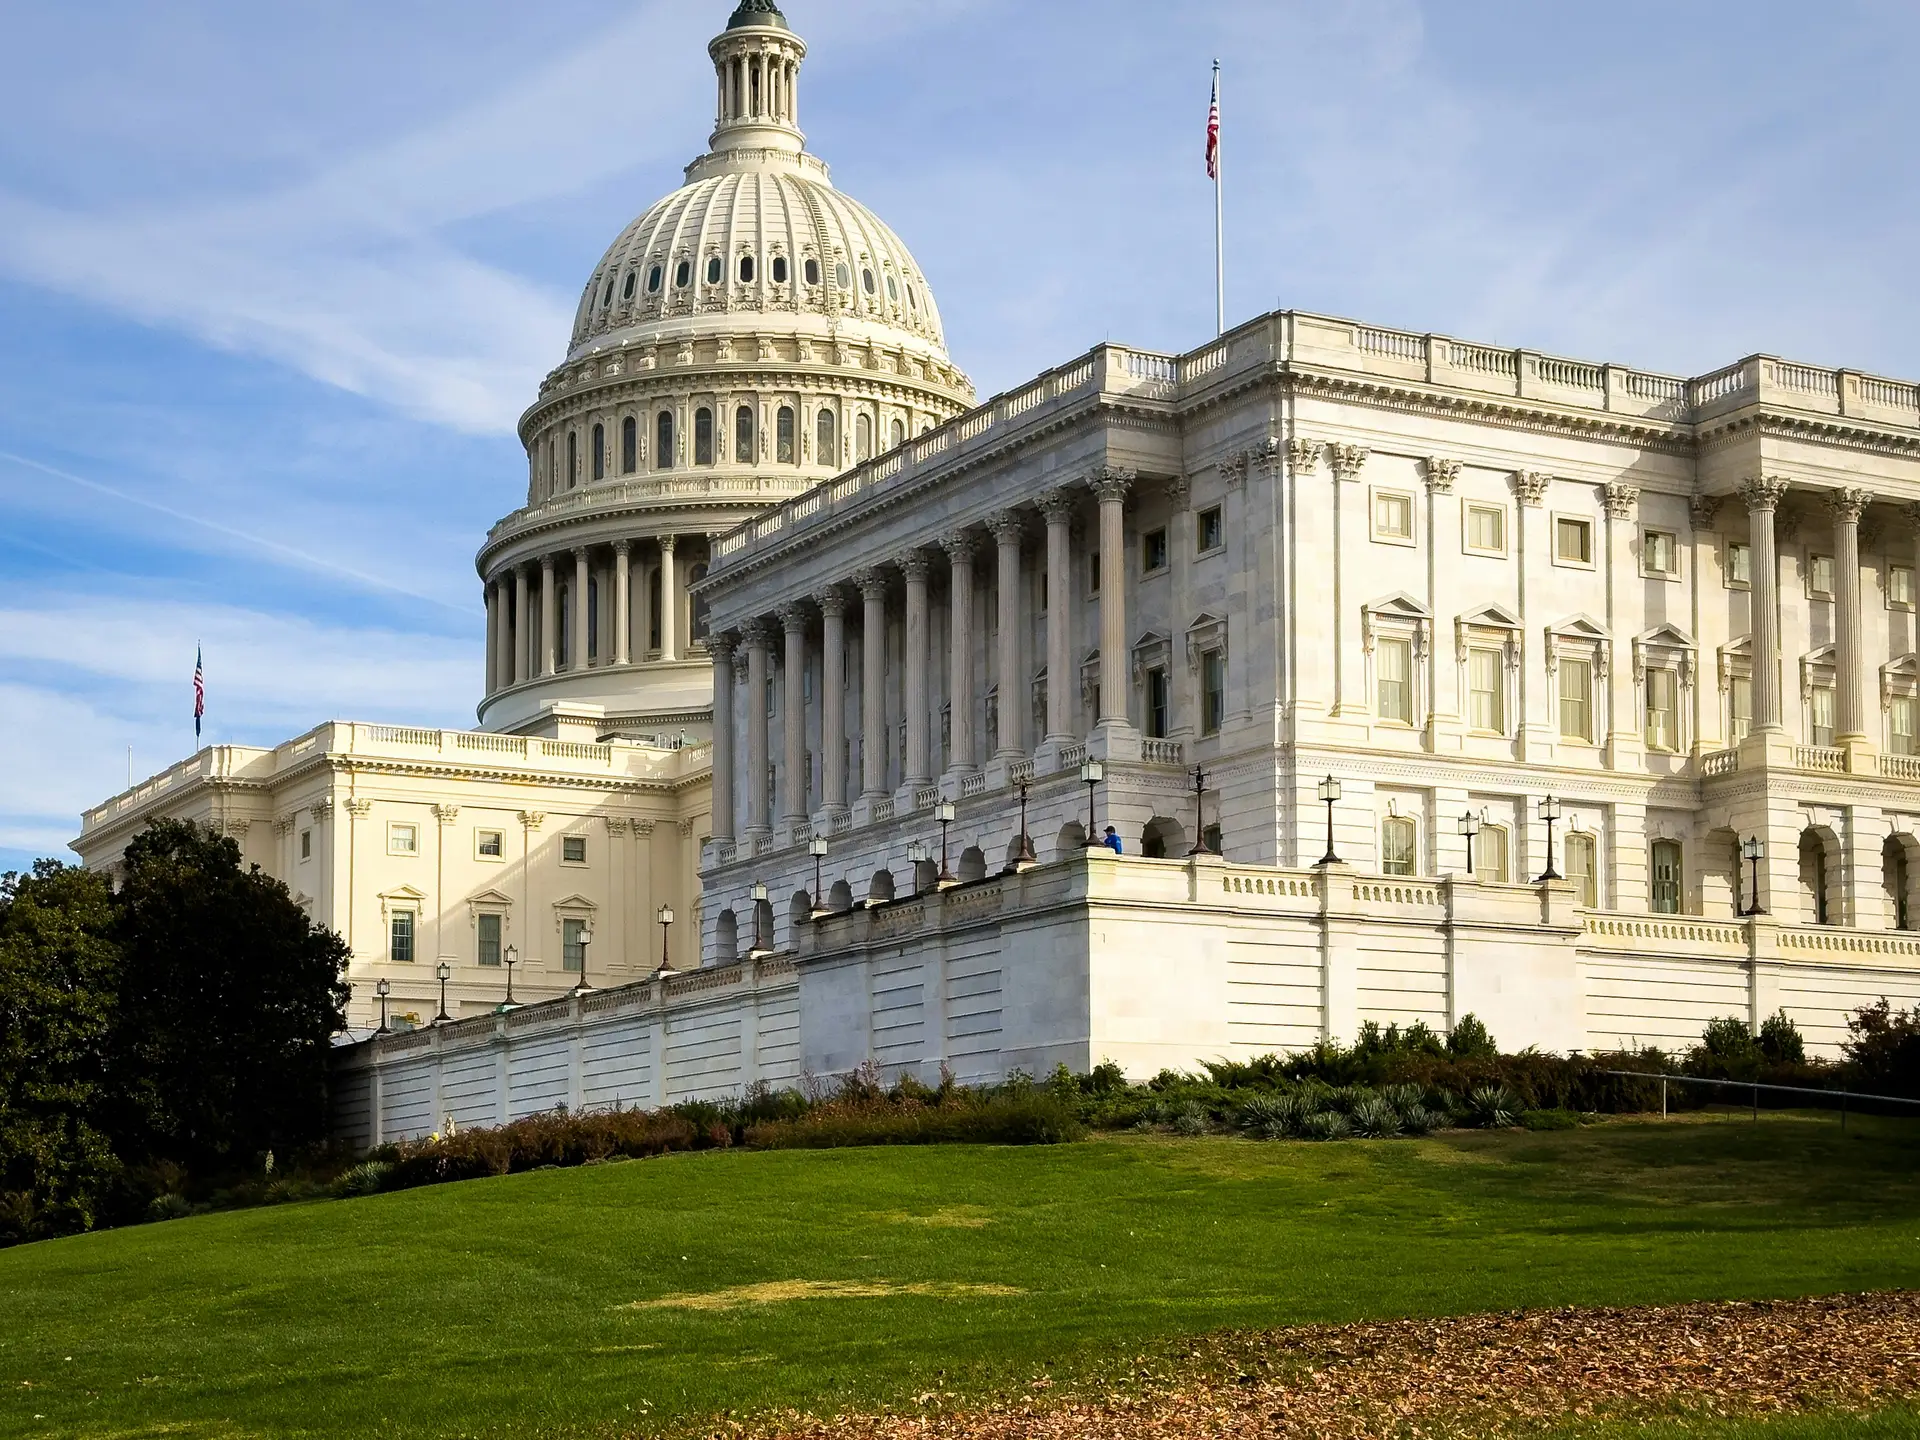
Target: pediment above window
403,898
1206,632
1665,647
1150,651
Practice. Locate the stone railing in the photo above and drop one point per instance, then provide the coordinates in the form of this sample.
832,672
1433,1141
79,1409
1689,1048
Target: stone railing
1821,759
1163,752
677,489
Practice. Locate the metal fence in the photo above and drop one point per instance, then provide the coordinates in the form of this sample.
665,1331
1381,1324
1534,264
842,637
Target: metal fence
1750,1094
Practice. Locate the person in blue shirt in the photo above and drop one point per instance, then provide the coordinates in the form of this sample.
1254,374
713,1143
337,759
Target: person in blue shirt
1112,842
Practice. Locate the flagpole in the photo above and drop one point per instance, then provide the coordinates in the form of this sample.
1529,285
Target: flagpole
1219,225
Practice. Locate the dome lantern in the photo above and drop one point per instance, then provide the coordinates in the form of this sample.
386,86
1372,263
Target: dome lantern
756,61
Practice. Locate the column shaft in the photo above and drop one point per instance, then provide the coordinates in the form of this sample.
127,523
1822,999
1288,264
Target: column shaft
623,603
873,684
1849,720
759,642
720,647
549,618
915,567
793,715
1058,508
960,551
1763,498
582,610
522,631
1013,690
493,637
669,601
833,700
1111,487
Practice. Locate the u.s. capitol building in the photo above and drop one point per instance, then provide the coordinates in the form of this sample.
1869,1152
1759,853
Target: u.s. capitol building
1351,635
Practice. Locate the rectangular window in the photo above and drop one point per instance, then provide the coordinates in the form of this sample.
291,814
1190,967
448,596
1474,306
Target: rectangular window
573,849
1666,877
1486,691
1393,665
488,927
1157,703
1392,517
1900,717
1582,873
1487,529
490,844
403,840
1663,710
1821,708
306,844
1739,708
1739,564
1900,586
401,949
1576,700
1820,575
572,952
1213,691
1573,541
1153,551
1659,553
1209,530
1490,855
1396,846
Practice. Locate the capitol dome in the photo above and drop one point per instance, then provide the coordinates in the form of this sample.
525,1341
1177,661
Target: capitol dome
747,337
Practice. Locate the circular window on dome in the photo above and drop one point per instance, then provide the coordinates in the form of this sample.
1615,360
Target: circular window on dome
653,280
746,269
893,289
812,271
683,274
626,290
713,270
779,269
866,279
842,276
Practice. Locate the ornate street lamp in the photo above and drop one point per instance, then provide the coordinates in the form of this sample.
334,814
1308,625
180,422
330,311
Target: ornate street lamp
943,812
383,989
586,939
917,855
1092,772
1024,858
1470,827
512,959
1750,851
666,925
1199,812
817,847
445,972
1549,810
759,897
1329,793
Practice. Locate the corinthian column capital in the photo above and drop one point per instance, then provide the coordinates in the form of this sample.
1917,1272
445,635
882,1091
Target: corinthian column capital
1621,499
1763,493
1847,504
1441,474
1347,460
1109,483
1059,505
1303,455
961,546
872,582
1006,526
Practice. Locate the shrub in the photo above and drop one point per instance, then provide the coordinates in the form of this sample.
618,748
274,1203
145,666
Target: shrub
367,1178
1549,1120
1780,1040
1034,1117
1190,1119
1883,1049
1268,1116
1418,1120
1374,1118
1326,1125
1492,1107
1469,1040
170,1206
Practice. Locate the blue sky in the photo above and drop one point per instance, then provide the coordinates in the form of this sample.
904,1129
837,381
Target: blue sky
276,281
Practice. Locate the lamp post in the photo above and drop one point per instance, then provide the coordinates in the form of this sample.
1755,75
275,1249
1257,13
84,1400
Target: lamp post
1024,857
445,972
512,959
943,812
759,897
1549,811
666,925
917,855
1092,772
817,847
1750,851
1470,827
383,989
1199,812
586,938
1329,793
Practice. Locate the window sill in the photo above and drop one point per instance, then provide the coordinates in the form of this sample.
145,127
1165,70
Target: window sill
1406,542
1566,564
1210,552
1483,554
1667,575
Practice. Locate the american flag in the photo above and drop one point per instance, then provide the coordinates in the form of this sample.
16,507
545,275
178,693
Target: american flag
1213,128
199,692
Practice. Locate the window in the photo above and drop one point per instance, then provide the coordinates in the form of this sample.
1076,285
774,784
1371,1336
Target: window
1820,709
703,436
1820,576
606,295
599,452
629,445
403,839
1739,707
1153,551
1213,691
826,445
1490,855
783,450
1572,541
863,438
1663,710
842,276
573,459
488,948
746,269
1209,532
1157,703
1487,529
572,953
1900,586
653,280
811,270
1666,877
913,300
306,844
1739,565
1396,846
573,849
1900,717
713,270
400,937
683,274
700,617
663,440
743,435
1576,700
626,290
490,844
893,289
1659,553
1581,871
1393,517
898,434
1487,691
866,280
1393,668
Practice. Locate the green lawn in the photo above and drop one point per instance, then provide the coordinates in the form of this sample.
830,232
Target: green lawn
509,1306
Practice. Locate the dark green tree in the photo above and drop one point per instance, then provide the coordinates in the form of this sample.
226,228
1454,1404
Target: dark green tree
1883,1049
59,972
229,999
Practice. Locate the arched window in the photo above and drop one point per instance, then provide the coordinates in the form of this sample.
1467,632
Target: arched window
866,279
1583,870
893,289
606,296
783,436
913,299
573,459
629,445
1667,880
599,452
1896,880
663,440
703,436
653,280
1490,855
746,269
743,435
683,274
633,281
842,276
899,433
713,270
826,439
811,270
697,621
1396,846
863,438
779,269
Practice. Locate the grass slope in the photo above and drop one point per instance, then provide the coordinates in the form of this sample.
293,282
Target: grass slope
509,1306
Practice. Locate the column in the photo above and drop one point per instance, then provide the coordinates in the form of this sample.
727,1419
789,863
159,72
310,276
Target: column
960,548
522,632
1346,461
582,609
1058,507
1849,720
833,699
1007,528
549,618
1110,486
873,683
793,715
623,602
915,566
1626,740
669,601
759,644
1763,497
493,637
720,647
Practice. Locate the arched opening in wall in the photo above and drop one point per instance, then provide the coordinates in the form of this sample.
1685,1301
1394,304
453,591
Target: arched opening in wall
1071,840
862,439
880,889
1583,868
703,436
783,451
629,445
799,916
973,865
1013,856
898,436
699,617
840,897
663,440
1667,877
926,877
1899,868
762,927
826,443
599,452
1213,840
1163,839
726,938
743,435
1818,875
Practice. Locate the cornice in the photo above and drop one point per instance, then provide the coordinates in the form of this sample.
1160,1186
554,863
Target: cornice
1839,431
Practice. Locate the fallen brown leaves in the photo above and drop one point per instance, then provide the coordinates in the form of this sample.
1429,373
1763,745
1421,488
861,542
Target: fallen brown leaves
1481,1375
